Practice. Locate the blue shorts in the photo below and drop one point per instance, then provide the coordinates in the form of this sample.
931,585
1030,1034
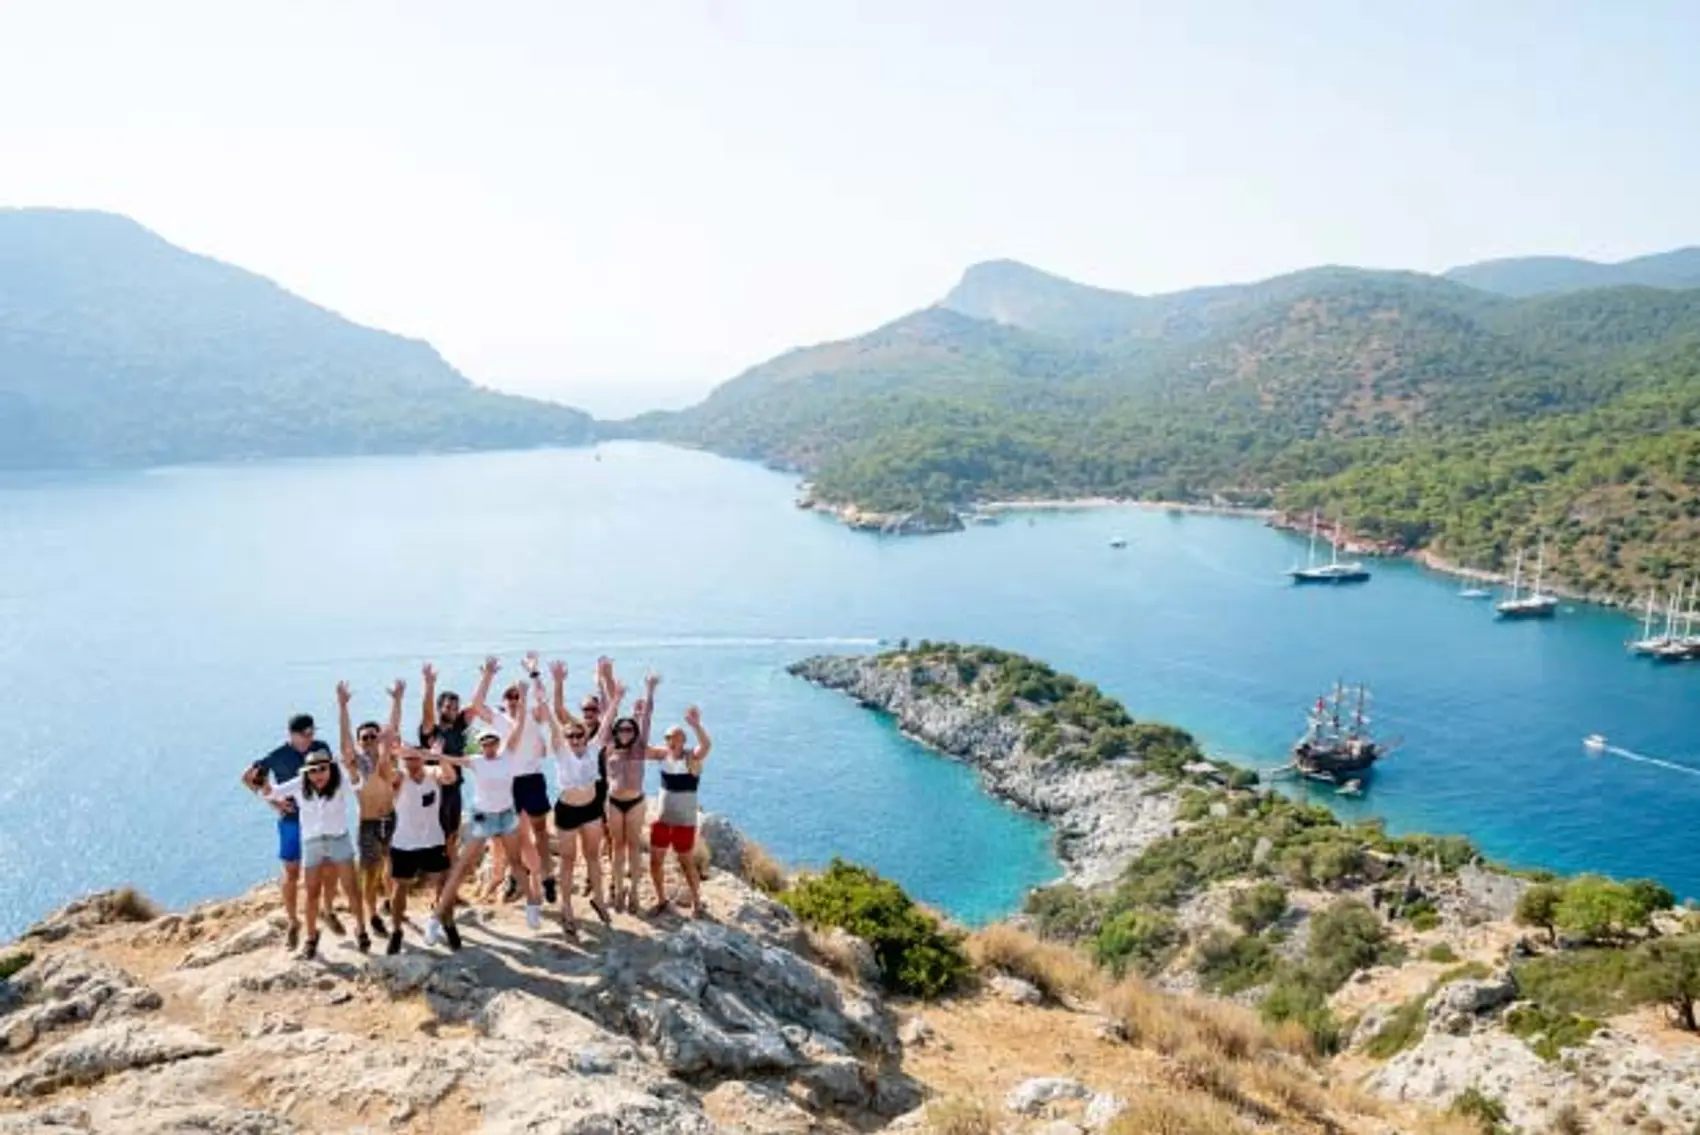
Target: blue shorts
491,825
289,838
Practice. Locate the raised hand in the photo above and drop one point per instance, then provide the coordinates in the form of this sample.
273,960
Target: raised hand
558,670
429,673
397,690
650,680
343,694
693,716
530,662
492,666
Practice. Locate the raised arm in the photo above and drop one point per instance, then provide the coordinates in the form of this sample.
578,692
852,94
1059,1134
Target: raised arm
610,713
397,692
558,685
646,709
345,731
428,711
693,718
486,675
389,744
517,733
540,713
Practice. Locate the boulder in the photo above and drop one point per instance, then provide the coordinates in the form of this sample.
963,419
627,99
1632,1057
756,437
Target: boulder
1030,1097
1015,990
725,843
1102,1110
1455,1007
103,1050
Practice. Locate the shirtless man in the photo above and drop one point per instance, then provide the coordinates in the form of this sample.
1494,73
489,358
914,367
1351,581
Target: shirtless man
376,795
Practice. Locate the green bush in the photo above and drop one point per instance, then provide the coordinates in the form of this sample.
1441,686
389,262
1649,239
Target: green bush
1404,1028
1589,983
916,955
1667,970
1538,907
1293,999
1547,1032
1140,940
1441,952
12,963
1484,1109
1257,907
1345,938
1597,909
1062,910
1233,963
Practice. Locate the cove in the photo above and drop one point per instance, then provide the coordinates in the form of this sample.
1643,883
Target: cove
160,626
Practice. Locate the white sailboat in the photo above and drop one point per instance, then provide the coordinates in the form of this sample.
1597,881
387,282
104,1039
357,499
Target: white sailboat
1334,571
1681,643
1536,604
1649,643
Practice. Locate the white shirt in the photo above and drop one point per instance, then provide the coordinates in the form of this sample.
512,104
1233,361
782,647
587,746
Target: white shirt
418,815
533,745
575,771
492,784
321,816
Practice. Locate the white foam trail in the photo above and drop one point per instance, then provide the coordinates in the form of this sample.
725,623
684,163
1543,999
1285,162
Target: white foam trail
1641,758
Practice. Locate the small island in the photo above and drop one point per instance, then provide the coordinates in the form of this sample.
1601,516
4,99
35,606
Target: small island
1427,972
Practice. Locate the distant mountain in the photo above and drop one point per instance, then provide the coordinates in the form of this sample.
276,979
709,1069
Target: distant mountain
1543,275
120,349
1425,410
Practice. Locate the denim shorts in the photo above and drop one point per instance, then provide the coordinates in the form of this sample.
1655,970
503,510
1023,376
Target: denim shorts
490,825
323,849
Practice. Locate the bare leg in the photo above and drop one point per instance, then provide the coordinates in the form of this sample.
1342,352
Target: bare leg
590,841
291,892
315,878
688,865
616,842
499,869
528,881
657,858
351,888
470,852
564,884
398,903
542,863
634,856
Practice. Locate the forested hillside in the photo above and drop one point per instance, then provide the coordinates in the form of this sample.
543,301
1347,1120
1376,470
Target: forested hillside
1540,275
119,349
1428,411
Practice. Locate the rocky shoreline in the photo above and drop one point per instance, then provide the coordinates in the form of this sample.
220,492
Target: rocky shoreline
1101,816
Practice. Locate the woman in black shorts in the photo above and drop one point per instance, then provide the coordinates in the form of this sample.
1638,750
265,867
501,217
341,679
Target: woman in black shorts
578,811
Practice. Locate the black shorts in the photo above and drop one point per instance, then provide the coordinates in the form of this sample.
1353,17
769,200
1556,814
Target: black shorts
412,864
531,794
571,817
448,808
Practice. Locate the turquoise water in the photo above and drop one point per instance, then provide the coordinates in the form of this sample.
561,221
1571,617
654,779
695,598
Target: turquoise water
158,628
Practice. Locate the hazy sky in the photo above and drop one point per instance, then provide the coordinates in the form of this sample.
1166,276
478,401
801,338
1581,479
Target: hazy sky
622,202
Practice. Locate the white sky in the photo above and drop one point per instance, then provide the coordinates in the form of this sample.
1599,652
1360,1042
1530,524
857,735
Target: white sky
623,202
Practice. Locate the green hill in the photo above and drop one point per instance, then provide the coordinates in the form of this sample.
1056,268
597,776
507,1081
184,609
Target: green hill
119,349
1542,275
1427,411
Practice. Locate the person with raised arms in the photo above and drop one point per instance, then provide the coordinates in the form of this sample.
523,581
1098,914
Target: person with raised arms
376,794
319,796
526,738
493,819
626,757
283,764
578,813
676,825
442,720
419,848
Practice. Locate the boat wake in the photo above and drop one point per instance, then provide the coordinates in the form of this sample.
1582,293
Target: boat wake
1642,758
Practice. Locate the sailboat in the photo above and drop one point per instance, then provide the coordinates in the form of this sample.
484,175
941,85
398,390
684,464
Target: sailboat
1536,604
1650,643
1337,745
1681,643
1334,571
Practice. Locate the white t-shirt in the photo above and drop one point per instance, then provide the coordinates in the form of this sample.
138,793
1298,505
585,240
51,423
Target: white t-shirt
533,745
492,784
418,813
320,815
575,771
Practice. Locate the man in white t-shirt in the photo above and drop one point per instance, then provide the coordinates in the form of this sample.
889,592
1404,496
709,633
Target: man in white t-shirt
419,847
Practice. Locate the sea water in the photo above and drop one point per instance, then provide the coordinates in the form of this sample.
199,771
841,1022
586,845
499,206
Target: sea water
156,630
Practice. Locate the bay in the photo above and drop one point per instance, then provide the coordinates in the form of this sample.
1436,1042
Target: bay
159,628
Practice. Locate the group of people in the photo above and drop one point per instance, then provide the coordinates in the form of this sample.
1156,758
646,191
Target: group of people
416,826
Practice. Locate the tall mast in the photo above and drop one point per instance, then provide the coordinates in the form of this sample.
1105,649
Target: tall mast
1310,552
1670,613
1540,563
1647,623
1517,576
1334,543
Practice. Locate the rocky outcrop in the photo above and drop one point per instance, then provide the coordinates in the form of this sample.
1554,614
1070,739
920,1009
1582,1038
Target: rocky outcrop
202,1021
1102,815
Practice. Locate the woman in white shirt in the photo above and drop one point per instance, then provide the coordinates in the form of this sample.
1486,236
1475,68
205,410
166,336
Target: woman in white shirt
578,811
321,795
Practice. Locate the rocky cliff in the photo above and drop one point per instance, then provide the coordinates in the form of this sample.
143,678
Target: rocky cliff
1103,813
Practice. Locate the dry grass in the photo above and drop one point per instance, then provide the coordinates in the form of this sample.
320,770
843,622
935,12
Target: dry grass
959,1115
838,952
1060,972
761,870
1159,1113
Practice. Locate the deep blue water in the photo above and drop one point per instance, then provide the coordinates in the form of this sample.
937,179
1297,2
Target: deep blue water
158,628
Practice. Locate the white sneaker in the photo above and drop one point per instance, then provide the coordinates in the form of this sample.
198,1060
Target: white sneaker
433,931
533,916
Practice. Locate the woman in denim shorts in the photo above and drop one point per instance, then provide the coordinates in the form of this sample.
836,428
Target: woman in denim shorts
321,795
492,818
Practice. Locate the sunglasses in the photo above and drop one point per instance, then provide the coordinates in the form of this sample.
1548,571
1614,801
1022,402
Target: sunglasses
368,737
488,743
576,735
626,732
320,768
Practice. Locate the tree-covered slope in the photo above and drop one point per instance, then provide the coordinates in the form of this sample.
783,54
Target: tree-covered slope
1542,275
119,349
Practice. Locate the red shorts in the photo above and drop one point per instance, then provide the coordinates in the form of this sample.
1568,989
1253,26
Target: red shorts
679,837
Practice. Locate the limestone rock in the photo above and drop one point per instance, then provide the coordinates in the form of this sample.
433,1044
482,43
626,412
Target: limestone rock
1031,1096
1455,1007
1015,990
102,1050
1102,1110
724,841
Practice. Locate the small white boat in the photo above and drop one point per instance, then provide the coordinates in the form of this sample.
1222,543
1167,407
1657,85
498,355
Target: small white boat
1118,542
1594,742
1350,788
1475,593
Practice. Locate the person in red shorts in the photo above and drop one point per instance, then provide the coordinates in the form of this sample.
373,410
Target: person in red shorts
676,825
